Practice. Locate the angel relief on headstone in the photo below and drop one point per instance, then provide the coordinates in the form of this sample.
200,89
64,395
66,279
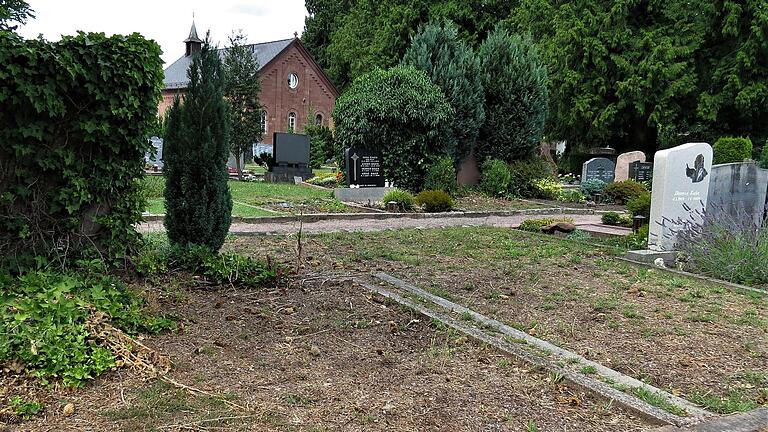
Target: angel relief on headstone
698,172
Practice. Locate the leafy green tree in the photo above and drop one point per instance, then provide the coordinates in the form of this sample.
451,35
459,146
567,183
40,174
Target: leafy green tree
241,74
321,145
451,64
198,202
14,11
516,97
397,112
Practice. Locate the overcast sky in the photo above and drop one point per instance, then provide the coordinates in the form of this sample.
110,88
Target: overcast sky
168,21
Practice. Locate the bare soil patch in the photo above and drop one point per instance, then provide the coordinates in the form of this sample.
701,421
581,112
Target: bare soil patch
320,355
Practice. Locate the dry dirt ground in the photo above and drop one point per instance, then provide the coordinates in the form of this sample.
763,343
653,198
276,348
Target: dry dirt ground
697,340
320,355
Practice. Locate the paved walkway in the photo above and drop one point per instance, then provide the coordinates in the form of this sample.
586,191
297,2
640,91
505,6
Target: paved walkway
368,225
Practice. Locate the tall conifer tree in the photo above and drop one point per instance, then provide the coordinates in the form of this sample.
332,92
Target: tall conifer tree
198,203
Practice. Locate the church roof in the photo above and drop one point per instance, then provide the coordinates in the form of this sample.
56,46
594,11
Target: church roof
192,34
176,73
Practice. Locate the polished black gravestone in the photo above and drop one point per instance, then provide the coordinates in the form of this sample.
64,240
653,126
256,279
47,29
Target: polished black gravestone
641,171
364,168
598,168
291,153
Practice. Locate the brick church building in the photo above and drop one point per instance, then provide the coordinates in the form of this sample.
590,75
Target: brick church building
294,88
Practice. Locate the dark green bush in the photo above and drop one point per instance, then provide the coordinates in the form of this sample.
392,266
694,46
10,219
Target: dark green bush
74,122
404,199
495,178
623,191
198,203
441,175
320,144
611,218
730,150
435,201
640,205
525,174
398,112
764,156
42,317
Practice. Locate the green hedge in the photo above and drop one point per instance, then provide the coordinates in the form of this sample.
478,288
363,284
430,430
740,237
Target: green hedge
730,150
74,118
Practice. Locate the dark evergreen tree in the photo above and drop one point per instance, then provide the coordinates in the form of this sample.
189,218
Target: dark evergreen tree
198,204
516,97
451,64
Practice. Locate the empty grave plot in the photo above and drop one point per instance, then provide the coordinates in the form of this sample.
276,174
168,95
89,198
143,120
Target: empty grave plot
325,355
698,340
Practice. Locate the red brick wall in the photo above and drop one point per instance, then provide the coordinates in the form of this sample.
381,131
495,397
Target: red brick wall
311,97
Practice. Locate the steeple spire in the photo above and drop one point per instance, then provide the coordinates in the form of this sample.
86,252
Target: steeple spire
192,41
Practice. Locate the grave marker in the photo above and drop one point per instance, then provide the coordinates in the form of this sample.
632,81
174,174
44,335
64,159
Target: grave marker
598,168
641,171
680,188
738,190
623,163
364,168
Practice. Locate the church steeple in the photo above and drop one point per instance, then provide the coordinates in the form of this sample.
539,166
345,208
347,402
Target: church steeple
193,41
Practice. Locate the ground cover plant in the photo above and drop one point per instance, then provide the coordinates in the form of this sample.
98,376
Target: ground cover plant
687,336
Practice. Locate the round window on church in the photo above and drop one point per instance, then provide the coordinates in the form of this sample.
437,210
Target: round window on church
293,80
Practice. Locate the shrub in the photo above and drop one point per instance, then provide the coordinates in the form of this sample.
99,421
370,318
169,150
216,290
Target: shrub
330,180
403,198
516,97
611,218
592,187
451,64
73,134
43,317
727,247
764,156
152,187
495,178
435,201
572,196
321,144
729,150
638,240
441,175
623,191
398,112
523,175
640,205
535,225
548,188
198,203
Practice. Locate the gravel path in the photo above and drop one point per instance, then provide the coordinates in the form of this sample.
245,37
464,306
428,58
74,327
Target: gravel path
368,225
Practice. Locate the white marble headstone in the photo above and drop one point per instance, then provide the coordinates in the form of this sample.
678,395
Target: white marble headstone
680,188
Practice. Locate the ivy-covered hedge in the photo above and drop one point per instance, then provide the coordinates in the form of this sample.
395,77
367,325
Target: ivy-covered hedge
73,121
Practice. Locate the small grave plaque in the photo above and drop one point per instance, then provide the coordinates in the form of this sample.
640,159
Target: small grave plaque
598,168
641,171
364,168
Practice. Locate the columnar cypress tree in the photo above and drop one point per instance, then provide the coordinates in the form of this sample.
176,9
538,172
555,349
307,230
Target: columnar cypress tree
198,204
516,97
451,64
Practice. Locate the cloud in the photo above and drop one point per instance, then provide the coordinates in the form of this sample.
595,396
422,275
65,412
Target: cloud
249,9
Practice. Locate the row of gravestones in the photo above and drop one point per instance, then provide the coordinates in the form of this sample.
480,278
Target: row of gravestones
687,188
630,165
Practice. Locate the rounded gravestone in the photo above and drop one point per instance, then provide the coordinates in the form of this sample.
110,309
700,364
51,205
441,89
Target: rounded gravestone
623,162
598,168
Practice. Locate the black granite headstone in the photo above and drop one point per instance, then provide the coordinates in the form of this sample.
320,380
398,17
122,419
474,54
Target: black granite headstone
598,168
364,168
641,171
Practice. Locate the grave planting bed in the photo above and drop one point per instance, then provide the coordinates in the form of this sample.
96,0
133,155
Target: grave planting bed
322,355
698,340
476,201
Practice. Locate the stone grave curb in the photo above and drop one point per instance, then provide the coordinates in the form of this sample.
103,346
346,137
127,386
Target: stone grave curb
731,285
617,377
316,217
751,421
579,381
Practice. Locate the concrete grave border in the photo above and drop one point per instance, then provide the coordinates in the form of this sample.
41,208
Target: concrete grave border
580,380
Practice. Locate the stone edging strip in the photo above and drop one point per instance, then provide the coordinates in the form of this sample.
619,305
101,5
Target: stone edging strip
315,217
629,402
752,421
731,285
617,377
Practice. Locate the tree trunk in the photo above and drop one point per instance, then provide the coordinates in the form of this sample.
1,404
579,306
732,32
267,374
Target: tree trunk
239,168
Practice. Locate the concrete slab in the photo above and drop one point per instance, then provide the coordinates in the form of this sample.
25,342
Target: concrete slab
752,421
649,256
368,195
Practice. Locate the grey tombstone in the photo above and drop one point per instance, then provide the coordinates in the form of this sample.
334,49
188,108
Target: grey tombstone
623,162
681,178
598,168
738,190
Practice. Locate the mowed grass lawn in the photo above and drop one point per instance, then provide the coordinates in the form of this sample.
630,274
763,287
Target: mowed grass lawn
252,199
